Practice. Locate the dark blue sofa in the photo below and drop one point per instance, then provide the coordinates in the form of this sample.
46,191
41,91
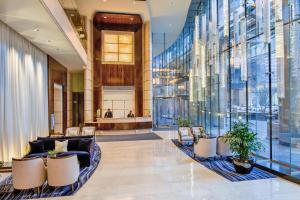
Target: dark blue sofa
84,154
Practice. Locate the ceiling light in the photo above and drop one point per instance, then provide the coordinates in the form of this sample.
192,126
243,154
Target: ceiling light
104,17
104,0
36,30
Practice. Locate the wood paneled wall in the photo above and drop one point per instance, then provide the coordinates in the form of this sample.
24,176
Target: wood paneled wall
113,74
57,73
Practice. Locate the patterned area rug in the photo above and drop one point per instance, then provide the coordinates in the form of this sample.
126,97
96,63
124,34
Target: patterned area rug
127,137
223,166
7,192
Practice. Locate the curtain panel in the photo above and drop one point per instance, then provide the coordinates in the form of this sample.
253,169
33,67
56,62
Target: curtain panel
23,93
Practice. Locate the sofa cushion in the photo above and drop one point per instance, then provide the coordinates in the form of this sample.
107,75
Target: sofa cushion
73,144
49,145
73,153
36,147
84,145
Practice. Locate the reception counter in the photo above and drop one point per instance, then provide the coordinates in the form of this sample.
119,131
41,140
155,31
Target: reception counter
122,123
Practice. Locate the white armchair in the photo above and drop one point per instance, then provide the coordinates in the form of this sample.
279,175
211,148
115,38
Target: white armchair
73,131
206,147
62,171
196,130
28,173
88,130
185,136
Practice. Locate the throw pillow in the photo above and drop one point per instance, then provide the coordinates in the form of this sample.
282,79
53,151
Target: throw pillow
73,144
61,146
49,144
36,147
84,145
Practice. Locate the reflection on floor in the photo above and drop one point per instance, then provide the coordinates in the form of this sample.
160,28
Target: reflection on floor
156,169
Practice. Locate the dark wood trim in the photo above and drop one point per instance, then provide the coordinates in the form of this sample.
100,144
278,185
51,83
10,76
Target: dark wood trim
57,73
117,74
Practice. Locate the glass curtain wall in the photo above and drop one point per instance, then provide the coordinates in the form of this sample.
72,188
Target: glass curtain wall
236,60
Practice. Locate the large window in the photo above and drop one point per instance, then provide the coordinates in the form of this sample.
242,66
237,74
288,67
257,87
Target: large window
238,60
118,47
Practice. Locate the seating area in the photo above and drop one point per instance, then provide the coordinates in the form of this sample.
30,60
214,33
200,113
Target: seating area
205,146
81,146
57,171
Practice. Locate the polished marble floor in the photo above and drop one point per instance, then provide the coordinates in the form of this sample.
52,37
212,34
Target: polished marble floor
156,169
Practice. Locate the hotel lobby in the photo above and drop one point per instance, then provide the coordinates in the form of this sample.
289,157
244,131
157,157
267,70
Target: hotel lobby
149,99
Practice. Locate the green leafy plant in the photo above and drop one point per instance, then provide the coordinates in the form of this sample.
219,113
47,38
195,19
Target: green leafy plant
242,141
183,122
52,153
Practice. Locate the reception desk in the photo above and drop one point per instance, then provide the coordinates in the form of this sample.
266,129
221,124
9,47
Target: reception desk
122,123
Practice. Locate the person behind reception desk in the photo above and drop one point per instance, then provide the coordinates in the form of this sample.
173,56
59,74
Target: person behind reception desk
108,114
130,114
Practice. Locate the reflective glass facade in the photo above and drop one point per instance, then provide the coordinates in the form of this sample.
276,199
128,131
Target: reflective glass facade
235,60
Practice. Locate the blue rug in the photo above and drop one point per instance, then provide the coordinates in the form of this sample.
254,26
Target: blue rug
223,166
7,192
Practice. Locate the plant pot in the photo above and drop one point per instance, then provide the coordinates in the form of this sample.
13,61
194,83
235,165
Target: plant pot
243,167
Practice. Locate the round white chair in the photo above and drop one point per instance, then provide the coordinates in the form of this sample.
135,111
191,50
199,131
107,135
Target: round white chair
223,148
62,171
206,147
28,173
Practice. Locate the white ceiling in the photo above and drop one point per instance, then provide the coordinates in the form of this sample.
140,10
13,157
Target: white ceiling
89,7
26,17
167,16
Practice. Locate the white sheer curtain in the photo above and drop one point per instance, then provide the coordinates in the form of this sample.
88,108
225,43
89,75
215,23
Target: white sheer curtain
23,93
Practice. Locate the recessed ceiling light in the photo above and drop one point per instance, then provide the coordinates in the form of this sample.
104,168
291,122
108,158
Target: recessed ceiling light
36,30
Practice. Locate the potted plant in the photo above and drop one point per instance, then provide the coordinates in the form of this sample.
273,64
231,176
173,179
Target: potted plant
183,122
52,153
243,142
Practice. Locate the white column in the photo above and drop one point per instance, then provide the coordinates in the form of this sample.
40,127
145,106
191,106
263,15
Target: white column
88,77
147,70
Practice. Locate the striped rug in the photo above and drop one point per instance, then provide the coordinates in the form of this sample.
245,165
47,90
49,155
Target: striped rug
7,192
223,166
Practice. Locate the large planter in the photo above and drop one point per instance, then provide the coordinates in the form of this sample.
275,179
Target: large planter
243,167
